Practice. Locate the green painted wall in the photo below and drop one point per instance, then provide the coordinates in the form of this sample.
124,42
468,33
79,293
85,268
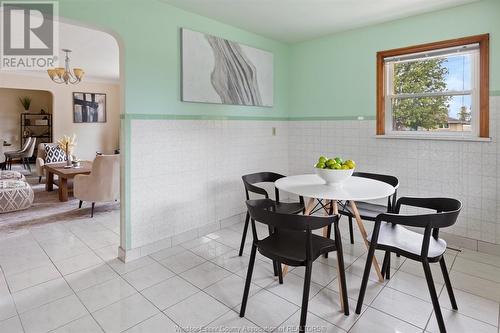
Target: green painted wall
334,76
150,34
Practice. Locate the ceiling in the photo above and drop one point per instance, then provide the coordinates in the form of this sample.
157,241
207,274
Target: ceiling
96,52
298,20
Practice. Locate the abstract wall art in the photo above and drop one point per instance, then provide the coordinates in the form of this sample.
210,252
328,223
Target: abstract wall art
216,70
89,107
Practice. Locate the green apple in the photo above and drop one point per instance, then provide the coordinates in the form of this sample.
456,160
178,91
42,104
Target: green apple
320,165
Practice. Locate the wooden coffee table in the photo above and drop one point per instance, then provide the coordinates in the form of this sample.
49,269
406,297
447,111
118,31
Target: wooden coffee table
64,174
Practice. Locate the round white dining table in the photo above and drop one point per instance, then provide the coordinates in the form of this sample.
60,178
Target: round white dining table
352,190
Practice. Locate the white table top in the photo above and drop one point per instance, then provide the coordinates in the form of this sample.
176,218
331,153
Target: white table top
354,188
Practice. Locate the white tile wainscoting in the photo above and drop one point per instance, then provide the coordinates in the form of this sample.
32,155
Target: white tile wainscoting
469,171
186,174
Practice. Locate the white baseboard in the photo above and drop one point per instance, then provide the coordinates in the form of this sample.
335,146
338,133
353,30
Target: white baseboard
141,251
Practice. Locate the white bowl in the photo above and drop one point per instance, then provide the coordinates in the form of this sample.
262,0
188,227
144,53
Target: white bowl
334,177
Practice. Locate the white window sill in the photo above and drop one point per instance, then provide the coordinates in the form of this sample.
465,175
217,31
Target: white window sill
432,137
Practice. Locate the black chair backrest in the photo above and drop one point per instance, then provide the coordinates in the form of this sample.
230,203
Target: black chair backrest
263,211
447,211
260,177
391,180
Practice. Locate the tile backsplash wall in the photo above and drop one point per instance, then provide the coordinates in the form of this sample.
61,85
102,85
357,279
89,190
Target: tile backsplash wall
186,174
469,171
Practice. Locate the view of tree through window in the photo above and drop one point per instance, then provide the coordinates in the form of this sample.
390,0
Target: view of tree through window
432,94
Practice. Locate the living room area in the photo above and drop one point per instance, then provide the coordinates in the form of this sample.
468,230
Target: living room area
60,136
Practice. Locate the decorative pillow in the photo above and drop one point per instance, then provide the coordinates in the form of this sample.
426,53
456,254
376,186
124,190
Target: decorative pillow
54,154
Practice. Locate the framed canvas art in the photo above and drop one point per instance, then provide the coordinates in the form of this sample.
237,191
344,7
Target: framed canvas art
89,107
216,70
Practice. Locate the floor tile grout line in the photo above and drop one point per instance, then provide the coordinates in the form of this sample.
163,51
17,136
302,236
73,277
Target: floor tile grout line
401,319
13,301
74,292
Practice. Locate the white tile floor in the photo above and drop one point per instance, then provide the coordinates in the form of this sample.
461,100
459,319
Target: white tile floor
64,277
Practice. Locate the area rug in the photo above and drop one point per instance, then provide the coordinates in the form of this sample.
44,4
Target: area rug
47,208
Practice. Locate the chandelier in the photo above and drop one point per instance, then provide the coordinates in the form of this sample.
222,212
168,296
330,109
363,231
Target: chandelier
64,75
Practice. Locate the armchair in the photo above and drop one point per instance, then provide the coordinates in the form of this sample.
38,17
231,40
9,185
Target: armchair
40,159
102,184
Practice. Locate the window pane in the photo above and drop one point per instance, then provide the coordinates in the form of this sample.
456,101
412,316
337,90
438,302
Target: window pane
451,73
438,114
459,76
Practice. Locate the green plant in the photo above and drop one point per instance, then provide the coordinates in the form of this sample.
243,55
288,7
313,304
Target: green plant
25,102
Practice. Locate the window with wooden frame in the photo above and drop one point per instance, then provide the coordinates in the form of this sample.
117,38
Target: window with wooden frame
436,90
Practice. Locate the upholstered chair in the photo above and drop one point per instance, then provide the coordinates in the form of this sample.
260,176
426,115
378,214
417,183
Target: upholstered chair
24,154
102,184
40,159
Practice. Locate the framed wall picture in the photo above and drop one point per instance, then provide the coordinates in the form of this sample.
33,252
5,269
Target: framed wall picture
216,70
89,107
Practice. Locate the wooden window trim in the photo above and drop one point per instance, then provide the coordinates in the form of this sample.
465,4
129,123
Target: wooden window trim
484,72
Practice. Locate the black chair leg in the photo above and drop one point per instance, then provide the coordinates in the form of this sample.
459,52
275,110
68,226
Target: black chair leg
243,238
39,179
448,284
248,280
351,232
384,264
366,274
275,263
28,164
388,268
280,273
329,228
305,297
340,262
328,235
80,204
434,296
92,210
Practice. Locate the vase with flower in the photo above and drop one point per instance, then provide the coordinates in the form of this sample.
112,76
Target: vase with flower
67,144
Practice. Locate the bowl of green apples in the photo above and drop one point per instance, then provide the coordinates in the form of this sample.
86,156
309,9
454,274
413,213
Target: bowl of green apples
334,171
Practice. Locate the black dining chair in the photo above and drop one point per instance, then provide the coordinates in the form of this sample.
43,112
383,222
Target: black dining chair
391,235
293,243
249,182
367,210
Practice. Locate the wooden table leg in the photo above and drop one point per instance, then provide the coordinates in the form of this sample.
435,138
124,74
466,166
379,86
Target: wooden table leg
364,234
63,189
49,182
308,209
309,206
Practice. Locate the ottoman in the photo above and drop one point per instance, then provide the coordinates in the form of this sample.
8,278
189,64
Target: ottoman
7,174
15,195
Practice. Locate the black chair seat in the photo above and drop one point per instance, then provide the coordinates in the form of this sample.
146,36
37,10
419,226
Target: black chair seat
367,210
289,207
288,247
394,236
